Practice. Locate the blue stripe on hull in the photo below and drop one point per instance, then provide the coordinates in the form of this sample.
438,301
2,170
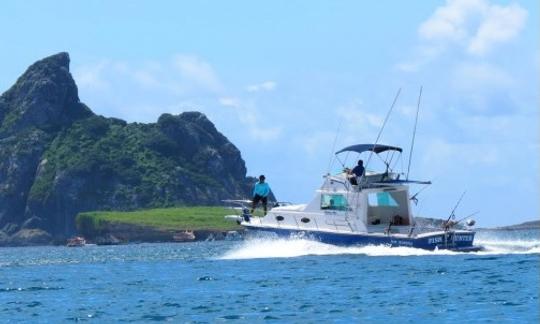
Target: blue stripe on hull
453,241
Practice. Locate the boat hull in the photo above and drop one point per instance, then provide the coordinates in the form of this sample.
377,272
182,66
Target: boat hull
451,240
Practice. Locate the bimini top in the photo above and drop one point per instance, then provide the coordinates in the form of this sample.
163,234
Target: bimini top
377,148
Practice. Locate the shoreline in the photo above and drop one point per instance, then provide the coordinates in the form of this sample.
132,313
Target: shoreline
124,233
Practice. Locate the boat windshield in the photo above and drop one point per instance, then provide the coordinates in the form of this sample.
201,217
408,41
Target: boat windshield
333,202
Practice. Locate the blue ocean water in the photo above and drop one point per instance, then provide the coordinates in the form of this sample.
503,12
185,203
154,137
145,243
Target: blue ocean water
273,280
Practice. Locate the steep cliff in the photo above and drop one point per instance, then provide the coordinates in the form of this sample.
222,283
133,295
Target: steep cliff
57,158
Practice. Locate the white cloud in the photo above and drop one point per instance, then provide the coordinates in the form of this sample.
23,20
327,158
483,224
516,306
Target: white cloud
356,118
264,86
250,118
91,76
423,55
472,75
475,27
500,24
195,69
145,78
316,143
229,102
360,125
477,24
183,75
141,91
445,155
406,110
450,21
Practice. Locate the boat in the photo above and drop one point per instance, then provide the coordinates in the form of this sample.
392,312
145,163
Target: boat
372,209
76,241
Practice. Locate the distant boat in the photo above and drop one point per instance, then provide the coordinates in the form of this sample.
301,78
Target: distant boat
76,241
375,210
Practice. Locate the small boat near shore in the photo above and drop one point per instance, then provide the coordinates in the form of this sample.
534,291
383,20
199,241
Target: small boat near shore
76,241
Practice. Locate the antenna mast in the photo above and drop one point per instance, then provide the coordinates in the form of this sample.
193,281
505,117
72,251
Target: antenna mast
414,133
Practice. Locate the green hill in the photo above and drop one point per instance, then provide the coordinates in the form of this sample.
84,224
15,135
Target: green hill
60,159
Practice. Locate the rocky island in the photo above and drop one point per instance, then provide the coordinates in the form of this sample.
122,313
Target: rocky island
58,158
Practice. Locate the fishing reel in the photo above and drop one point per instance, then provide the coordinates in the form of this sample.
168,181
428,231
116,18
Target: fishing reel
470,222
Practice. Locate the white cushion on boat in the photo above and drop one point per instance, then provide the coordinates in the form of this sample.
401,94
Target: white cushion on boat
299,207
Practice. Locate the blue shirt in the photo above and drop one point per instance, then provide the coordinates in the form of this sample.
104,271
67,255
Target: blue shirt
261,189
358,170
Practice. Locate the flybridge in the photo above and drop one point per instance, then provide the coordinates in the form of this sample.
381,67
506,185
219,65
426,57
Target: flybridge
385,178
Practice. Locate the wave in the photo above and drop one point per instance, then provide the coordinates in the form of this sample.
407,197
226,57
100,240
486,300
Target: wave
256,248
495,246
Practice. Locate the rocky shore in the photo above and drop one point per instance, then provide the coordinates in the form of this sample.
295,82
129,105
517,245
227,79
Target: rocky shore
123,233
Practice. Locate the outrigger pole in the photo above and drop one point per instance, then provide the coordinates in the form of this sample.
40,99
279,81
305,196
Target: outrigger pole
382,127
414,133
332,156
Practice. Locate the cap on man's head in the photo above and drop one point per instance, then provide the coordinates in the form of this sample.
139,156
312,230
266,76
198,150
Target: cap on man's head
262,177
360,162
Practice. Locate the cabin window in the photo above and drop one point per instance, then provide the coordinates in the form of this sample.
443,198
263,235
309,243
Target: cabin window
388,207
333,202
381,199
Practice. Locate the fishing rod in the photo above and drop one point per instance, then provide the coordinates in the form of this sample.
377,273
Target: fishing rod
452,213
476,212
448,223
414,133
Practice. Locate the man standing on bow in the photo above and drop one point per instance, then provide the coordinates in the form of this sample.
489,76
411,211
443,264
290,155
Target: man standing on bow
260,193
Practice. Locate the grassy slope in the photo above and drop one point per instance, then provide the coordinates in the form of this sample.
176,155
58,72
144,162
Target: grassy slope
178,218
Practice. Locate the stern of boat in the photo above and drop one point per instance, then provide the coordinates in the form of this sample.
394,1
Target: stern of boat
457,240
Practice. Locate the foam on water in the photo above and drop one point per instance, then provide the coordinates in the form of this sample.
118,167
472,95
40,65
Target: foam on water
294,247
501,246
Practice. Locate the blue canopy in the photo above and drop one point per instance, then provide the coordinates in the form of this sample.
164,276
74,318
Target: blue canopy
377,148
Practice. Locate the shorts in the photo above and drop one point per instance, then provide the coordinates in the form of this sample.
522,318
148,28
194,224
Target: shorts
258,198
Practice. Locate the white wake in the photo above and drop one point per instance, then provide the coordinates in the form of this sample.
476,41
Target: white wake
296,247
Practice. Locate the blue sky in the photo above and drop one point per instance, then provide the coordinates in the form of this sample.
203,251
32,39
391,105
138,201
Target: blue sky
280,78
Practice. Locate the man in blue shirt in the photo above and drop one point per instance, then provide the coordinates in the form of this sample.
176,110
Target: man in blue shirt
357,172
260,193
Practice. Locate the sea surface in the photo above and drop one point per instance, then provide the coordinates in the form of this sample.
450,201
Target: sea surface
263,280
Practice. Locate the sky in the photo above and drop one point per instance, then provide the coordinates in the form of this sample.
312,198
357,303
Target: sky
291,82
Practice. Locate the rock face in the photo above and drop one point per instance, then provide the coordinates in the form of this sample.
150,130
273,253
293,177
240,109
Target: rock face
57,158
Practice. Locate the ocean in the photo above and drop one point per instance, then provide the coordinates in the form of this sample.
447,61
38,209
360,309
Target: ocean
264,280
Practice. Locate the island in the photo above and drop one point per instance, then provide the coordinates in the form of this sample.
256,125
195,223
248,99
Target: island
59,158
